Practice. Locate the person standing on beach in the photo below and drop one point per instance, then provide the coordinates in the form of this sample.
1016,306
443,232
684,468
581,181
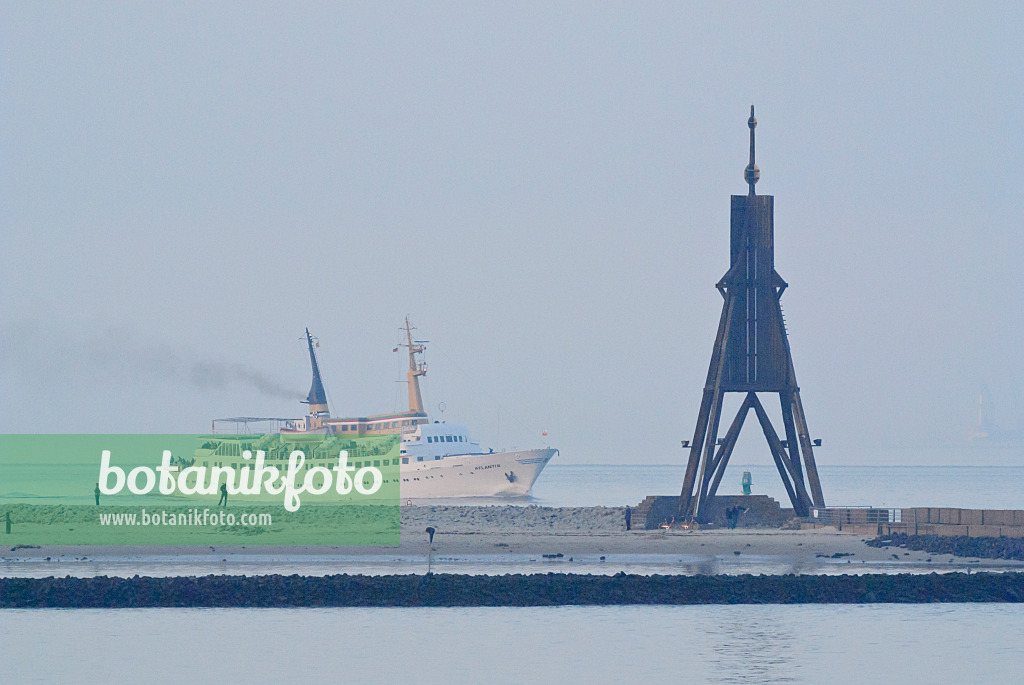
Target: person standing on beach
223,501
97,493
629,516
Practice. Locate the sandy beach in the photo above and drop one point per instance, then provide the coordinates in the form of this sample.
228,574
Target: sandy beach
513,536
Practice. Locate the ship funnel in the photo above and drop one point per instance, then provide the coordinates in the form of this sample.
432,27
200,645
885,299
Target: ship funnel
317,398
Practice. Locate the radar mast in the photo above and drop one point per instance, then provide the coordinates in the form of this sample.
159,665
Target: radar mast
417,368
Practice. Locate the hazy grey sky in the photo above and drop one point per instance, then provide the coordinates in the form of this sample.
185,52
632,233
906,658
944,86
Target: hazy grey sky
543,187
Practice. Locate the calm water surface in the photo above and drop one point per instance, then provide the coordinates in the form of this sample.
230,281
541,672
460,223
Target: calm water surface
947,643
968,487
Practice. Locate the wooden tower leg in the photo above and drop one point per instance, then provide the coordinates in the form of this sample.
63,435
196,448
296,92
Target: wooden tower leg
710,442
710,408
794,447
725,451
685,497
713,465
805,443
794,488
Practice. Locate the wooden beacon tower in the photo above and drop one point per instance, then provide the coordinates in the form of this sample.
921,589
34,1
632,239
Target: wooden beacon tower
751,355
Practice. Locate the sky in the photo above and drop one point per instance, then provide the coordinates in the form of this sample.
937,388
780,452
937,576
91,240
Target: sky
542,187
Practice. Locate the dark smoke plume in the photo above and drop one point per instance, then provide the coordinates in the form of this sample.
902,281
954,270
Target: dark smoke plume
118,354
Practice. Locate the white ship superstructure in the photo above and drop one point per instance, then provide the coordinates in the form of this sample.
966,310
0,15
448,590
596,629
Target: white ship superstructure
440,460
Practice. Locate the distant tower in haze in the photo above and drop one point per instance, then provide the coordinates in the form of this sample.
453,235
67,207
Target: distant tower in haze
751,355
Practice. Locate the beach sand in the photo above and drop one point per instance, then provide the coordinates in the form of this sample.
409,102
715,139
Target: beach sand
533,532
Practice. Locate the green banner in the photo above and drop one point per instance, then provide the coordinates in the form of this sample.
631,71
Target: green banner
245,489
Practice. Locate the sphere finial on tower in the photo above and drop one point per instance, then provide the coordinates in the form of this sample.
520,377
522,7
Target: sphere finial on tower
751,174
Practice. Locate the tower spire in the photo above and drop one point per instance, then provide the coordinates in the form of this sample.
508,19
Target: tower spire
751,173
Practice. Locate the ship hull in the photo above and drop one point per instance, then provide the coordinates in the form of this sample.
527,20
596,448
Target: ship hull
498,474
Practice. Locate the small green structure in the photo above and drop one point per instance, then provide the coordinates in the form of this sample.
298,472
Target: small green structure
746,482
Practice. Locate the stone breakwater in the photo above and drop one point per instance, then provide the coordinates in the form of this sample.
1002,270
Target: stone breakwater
961,546
510,518
510,590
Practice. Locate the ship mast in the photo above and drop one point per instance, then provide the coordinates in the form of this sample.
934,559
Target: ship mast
416,369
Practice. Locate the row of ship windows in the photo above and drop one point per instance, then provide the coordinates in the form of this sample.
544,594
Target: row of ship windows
378,426
445,438
358,464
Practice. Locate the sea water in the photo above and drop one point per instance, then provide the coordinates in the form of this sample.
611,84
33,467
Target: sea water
888,487
944,643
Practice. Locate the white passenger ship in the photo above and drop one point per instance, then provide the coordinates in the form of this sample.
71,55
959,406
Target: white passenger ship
437,459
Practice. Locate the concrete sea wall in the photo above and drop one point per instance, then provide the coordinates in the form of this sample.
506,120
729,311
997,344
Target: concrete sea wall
920,521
